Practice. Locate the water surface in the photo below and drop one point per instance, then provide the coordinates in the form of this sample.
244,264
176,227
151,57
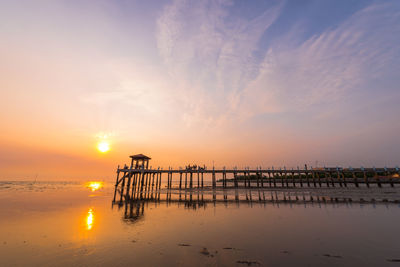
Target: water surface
64,224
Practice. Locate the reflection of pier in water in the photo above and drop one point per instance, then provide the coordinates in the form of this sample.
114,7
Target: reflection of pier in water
200,197
195,199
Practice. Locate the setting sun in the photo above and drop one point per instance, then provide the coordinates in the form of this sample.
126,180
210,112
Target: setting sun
94,186
103,146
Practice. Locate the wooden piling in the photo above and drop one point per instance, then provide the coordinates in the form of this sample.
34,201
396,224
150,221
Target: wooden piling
248,177
235,177
307,179
145,183
338,177
274,177
286,178
344,179
354,177
168,178
214,185
159,183
365,177
224,178
293,181
313,177
326,177
150,179
137,190
331,178
122,187
269,179
116,183
319,178
262,178
156,182
198,178
135,183
376,175
128,186
156,179
180,179
300,176
171,179
149,182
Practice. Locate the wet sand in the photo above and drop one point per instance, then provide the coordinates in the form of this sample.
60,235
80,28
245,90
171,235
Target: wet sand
68,224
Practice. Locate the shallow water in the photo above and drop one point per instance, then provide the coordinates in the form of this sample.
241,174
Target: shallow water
70,224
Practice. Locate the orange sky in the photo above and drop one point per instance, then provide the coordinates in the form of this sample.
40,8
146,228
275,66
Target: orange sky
196,84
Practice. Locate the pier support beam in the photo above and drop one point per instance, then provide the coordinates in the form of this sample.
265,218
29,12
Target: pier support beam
235,178
159,182
122,187
214,184
180,180
128,186
116,184
365,177
224,178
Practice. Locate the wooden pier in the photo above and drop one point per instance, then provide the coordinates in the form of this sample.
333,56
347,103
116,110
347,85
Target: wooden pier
137,180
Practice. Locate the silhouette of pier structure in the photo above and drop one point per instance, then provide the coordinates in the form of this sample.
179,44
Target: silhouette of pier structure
137,180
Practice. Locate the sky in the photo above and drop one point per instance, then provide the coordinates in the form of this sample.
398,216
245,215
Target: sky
229,83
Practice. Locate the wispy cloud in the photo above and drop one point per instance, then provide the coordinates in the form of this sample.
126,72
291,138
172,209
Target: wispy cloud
330,66
210,54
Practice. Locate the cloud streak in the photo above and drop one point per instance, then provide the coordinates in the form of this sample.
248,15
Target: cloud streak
330,66
211,55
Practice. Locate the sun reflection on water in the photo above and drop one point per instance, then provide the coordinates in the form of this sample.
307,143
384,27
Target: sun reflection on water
94,186
89,219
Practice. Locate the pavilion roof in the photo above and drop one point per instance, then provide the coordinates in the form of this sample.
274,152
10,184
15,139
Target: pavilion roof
139,156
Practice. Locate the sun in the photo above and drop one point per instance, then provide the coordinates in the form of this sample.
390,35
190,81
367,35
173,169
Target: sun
103,146
94,186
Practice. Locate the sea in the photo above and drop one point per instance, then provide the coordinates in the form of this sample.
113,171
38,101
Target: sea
81,224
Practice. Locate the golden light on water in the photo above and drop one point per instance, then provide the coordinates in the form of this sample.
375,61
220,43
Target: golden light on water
94,185
103,146
89,219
